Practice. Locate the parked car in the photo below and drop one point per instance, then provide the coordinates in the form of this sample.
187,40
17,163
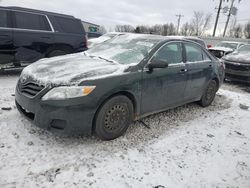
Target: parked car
95,41
27,35
238,64
122,80
224,48
195,39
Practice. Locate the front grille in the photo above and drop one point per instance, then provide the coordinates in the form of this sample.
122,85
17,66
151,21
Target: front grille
238,77
30,89
239,67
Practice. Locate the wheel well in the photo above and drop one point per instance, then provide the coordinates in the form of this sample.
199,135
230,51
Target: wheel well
124,93
63,47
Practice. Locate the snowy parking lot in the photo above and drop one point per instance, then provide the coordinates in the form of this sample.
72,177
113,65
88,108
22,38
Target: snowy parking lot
189,146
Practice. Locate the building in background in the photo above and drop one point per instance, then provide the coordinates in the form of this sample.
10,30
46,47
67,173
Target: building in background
93,30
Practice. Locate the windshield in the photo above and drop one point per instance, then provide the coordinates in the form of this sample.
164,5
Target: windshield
108,36
245,48
124,49
227,45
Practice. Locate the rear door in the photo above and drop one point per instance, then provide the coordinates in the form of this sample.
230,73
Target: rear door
70,32
6,38
32,35
199,70
164,87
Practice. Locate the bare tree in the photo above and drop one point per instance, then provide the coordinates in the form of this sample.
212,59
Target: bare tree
168,29
200,22
238,31
187,29
232,27
142,29
247,30
172,30
102,30
124,28
156,29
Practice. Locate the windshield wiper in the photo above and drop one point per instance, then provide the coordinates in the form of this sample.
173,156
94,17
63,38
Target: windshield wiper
105,59
108,60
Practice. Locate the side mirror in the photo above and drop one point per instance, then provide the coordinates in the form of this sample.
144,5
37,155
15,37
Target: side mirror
157,64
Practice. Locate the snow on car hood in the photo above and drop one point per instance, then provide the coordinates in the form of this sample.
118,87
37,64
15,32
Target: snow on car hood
71,69
238,57
221,49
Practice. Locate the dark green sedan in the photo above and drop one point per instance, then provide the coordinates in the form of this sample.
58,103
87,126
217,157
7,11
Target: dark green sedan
103,90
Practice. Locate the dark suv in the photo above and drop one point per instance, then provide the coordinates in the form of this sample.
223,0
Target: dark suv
27,35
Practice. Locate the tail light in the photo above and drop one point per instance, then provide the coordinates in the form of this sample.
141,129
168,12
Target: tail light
209,46
86,39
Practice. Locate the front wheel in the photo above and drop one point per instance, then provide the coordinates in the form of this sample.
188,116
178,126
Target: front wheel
209,94
113,118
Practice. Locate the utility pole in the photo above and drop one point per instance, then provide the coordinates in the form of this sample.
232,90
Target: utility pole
217,18
179,21
228,17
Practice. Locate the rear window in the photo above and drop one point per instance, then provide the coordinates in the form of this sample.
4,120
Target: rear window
67,25
3,18
31,21
193,53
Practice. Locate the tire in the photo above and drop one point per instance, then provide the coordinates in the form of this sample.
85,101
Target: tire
113,118
209,95
55,53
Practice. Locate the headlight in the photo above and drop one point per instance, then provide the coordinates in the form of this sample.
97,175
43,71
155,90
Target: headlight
60,93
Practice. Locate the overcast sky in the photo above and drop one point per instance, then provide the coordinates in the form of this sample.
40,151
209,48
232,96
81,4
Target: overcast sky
133,12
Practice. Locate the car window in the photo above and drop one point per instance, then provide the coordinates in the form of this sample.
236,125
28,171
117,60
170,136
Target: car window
67,25
244,48
124,49
227,45
3,18
193,53
31,21
206,57
170,53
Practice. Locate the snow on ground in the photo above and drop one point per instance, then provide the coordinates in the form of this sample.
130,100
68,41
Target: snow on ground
189,146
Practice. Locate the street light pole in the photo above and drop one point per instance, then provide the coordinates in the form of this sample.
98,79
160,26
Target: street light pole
179,20
228,17
217,18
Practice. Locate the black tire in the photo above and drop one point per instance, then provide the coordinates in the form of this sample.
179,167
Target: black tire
55,53
113,118
209,95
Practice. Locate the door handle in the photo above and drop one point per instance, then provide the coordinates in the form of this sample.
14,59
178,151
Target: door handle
45,37
183,70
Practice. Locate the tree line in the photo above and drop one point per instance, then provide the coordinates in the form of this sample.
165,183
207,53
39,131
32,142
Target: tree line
199,25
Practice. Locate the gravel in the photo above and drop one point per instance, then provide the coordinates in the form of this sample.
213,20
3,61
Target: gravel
206,145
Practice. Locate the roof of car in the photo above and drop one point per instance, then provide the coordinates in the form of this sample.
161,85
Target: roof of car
35,11
234,42
160,37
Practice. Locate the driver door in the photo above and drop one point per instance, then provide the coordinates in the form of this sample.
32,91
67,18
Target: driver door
163,88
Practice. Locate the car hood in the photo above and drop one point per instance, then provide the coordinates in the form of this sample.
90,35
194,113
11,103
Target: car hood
71,69
221,49
238,57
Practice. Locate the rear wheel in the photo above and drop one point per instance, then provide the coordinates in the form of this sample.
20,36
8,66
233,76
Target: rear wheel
55,53
209,94
58,50
113,118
